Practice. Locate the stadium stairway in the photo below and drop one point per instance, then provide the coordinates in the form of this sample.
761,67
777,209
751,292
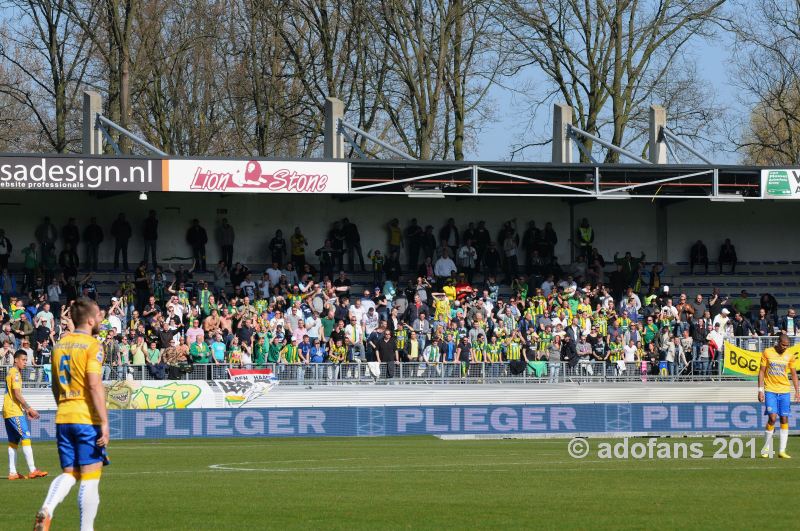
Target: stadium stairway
780,278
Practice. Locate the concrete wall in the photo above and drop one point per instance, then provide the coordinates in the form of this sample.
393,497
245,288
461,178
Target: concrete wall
756,228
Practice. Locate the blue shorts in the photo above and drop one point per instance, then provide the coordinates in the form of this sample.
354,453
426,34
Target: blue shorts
77,445
17,429
777,403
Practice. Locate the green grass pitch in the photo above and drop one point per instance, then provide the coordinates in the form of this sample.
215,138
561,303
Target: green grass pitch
412,483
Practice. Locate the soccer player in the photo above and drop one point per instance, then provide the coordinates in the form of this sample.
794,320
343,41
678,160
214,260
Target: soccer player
14,410
81,419
774,390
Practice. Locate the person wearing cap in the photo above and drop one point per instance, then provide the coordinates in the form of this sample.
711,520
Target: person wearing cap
722,320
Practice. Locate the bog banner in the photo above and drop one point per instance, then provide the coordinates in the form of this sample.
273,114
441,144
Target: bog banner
182,394
780,184
746,363
379,421
258,176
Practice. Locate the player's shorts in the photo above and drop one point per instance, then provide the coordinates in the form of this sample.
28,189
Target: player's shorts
77,445
777,403
17,429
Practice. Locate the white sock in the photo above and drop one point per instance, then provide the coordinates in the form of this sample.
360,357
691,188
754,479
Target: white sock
12,461
27,451
784,438
59,489
88,501
768,439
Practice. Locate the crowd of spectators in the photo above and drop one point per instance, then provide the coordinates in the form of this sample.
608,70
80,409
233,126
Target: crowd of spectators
459,302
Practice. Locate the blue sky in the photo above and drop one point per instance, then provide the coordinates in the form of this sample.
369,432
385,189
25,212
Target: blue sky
714,64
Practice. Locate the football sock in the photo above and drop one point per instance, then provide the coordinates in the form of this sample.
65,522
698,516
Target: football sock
59,489
88,501
27,451
12,461
768,436
784,436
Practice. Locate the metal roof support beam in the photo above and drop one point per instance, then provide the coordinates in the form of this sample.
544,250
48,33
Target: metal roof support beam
651,183
672,154
143,143
109,139
375,139
535,181
352,143
581,147
607,144
666,132
409,180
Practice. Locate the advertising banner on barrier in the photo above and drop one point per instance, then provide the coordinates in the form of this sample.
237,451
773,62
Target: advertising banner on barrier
258,176
747,363
80,173
238,393
780,184
561,419
184,394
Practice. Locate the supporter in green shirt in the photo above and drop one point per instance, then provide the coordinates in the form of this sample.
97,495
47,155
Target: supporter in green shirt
274,351
260,352
199,351
742,304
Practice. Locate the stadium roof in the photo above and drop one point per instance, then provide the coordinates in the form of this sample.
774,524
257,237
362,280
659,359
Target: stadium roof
611,181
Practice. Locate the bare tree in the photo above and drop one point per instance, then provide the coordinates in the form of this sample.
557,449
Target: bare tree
607,58
768,74
46,56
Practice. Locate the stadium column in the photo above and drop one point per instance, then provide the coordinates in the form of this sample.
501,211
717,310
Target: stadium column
562,143
334,141
92,137
658,120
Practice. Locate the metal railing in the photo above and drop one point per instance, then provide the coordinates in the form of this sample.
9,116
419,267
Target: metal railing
317,374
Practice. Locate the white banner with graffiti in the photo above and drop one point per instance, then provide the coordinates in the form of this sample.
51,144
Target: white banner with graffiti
182,394
238,393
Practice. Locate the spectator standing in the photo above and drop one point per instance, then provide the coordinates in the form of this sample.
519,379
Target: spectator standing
549,242
467,259
70,234
298,245
68,261
698,255
5,250
197,238
226,237
790,323
327,259
150,234
121,232
444,267
352,241
448,236
742,304
413,238
585,238
395,236
92,237
46,234
337,238
277,247
727,255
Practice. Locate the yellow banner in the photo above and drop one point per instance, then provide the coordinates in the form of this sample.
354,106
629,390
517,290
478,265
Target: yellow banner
747,363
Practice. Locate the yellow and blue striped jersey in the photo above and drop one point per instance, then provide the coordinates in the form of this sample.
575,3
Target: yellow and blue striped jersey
76,356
